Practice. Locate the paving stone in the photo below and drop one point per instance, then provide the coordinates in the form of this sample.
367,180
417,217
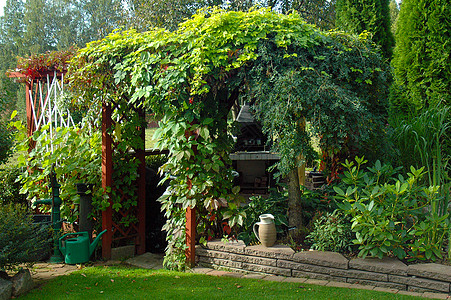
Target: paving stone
276,251
388,265
421,282
233,246
339,284
233,274
389,285
362,286
417,289
297,273
254,276
386,290
435,295
316,281
147,261
409,293
200,270
217,273
431,270
322,258
274,278
302,267
266,269
296,280
123,252
359,274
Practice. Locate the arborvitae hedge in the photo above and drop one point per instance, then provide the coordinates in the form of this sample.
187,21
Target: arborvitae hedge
422,57
356,16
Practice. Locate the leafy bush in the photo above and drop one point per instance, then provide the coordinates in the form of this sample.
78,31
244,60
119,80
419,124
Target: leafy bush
276,204
21,241
314,201
332,232
6,142
77,157
10,188
392,215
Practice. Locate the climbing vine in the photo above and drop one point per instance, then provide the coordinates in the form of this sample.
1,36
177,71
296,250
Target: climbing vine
191,77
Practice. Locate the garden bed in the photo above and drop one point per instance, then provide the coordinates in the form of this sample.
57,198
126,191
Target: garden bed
282,260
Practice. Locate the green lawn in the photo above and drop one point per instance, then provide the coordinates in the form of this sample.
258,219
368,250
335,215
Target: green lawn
122,282
149,134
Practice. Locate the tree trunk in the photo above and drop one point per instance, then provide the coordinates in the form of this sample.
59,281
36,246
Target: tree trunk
294,200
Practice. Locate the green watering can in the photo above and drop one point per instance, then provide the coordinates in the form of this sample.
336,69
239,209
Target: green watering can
77,250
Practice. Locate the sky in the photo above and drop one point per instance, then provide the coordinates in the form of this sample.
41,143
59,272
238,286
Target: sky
2,4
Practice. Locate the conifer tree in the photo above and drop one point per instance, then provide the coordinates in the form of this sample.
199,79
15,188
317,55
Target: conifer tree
356,16
422,57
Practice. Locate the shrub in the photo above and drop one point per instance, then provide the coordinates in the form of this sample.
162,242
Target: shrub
392,215
276,204
21,241
6,142
332,232
314,201
10,188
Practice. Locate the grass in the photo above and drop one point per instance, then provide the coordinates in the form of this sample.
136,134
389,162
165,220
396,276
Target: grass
123,282
149,134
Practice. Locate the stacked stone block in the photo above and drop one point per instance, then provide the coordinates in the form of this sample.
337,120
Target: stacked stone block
282,260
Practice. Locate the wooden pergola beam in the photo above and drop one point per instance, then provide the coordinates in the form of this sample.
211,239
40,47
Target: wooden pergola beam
107,179
190,236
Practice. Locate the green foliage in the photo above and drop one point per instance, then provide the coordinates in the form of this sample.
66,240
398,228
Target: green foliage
37,64
10,186
332,232
423,140
276,204
155,161
6,142
316,201
394,13
76,154
421,59
21,241
357,16
339,86
392,216
193,75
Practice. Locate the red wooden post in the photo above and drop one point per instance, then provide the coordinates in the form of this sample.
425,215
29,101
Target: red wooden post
141,155
30,119
107,179
191,236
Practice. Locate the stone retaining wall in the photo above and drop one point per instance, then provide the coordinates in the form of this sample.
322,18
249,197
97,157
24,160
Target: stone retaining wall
282,260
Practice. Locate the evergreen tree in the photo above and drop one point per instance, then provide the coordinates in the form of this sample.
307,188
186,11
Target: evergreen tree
35,26
356,16
143,14
422,57
394,13
12,28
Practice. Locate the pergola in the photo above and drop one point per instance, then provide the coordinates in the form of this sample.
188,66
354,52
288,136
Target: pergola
41,92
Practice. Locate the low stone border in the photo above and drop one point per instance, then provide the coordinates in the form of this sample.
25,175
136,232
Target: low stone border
389,273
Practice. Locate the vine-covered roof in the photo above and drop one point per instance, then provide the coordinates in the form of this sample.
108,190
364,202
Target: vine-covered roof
41,64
